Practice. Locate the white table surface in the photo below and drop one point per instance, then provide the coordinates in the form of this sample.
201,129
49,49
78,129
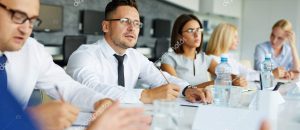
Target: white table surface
289,114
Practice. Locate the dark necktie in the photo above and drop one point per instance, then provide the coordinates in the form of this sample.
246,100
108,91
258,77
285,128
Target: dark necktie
121,80
3,76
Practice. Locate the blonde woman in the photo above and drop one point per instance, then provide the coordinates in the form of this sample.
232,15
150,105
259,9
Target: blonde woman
187,61
225,39
282,46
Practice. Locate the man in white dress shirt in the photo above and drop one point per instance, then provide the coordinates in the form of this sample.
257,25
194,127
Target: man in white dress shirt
111,66
27,65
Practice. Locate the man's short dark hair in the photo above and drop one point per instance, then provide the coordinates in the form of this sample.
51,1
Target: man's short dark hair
114,4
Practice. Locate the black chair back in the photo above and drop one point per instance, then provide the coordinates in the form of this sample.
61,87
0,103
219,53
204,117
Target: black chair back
70,44
161,46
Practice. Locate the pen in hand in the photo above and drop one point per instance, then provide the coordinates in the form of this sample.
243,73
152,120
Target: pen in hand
59,94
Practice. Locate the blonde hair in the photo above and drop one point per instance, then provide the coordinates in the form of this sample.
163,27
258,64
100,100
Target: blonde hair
283,24
221,39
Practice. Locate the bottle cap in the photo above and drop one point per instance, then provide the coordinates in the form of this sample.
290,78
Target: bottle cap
268,56
224,58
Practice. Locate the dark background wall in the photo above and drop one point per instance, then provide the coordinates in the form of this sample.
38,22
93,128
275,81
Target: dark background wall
150,9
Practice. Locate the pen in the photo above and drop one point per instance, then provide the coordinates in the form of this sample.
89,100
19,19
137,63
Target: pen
157,61
249,90
59,94
188,105
261,87
164,76
277,86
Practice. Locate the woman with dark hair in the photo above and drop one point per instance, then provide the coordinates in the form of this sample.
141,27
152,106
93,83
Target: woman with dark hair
187,61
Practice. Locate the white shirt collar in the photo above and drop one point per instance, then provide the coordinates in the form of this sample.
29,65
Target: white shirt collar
106,48
6,54
1,53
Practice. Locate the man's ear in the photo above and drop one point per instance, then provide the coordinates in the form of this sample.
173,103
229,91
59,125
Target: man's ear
105,26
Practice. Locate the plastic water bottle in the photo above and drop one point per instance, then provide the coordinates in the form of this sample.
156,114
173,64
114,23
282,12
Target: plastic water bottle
266,72
222,82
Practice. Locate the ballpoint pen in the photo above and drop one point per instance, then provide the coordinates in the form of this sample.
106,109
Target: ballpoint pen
164,76
261,86
59,94
160,69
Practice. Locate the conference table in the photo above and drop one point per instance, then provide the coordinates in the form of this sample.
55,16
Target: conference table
288,114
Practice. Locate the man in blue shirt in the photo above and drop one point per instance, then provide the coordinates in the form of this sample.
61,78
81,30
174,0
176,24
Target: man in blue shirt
115,118
283,47
17,19
12,115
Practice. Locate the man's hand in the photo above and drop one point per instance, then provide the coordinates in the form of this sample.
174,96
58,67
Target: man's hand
265,125
101,106
279,72
167,91
116,118
239,81
198,94
54,115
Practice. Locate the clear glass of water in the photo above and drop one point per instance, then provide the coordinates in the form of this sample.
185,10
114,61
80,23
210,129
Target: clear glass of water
165,115
221,95
235,97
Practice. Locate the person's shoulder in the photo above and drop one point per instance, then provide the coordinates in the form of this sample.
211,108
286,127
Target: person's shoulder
133,52
264,44
31,45
88,48
31,42
172,54
203,55
216,58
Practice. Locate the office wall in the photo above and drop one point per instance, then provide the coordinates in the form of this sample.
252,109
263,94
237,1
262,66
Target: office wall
189,4
258,19
150,9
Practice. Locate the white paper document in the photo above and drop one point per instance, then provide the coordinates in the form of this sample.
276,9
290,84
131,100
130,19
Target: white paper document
83,119
184,102
222,118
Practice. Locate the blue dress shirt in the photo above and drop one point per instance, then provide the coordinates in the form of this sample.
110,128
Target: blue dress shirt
12,116
285,58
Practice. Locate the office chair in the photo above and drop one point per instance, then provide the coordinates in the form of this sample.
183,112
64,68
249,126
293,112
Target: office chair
70,44
161,46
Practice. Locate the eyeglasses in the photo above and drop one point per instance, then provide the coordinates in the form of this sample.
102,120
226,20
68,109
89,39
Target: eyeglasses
194,30
19,17
127,21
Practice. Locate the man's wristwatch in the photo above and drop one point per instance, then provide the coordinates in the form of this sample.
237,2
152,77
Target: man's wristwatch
187,87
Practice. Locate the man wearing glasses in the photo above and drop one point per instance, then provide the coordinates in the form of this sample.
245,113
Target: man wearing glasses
26,65
111,66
